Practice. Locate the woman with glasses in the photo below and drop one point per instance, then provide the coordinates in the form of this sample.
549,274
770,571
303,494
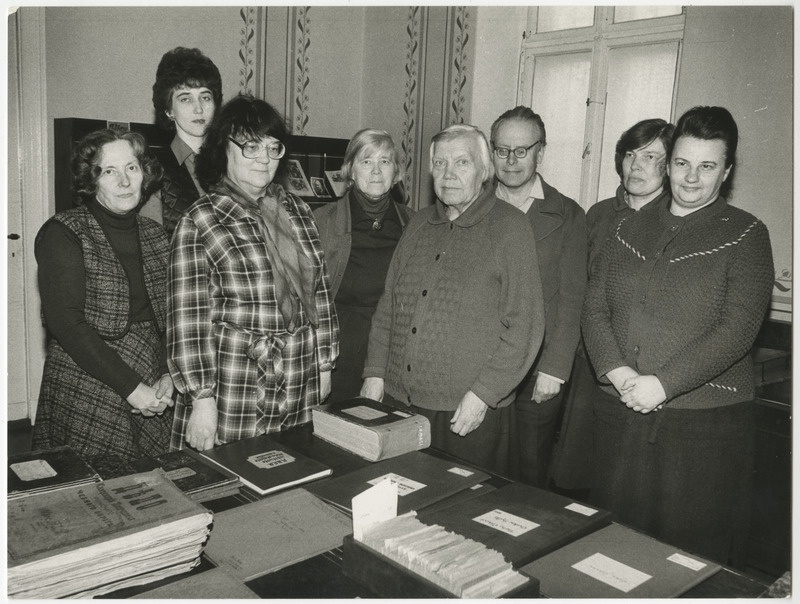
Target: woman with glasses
251,328
359,234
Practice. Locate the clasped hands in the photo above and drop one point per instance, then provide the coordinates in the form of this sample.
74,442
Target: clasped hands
641,393
152,400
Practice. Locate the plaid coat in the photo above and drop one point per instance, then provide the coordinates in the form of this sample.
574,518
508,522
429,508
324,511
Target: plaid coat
226,337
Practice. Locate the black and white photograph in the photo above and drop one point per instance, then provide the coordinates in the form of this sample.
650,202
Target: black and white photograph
394,301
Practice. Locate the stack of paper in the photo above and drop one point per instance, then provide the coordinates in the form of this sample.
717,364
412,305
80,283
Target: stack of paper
463,567
89,540
193,474
47,470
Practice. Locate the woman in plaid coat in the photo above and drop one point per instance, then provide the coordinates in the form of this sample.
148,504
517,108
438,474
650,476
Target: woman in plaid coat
252,332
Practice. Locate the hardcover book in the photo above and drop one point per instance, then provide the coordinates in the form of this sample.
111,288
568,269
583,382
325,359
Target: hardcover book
618,562
371,429
192,474
519,521
265,465
213,584
422,479
260,537
47,470
93,539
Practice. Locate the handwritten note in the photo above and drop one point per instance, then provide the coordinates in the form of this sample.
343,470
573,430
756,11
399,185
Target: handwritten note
505,522
607,570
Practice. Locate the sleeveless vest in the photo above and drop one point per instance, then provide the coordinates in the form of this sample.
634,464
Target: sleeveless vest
107,306
178,190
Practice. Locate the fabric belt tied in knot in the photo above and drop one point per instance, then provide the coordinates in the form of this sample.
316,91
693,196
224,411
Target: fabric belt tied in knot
267,351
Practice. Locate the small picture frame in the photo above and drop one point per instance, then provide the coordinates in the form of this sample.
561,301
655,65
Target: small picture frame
296,181
336,182
318,186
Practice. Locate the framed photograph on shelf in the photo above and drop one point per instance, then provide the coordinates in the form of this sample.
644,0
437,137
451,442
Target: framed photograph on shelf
318,186
336,182
296,181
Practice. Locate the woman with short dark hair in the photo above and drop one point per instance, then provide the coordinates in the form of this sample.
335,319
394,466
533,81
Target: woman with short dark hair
251,328
105,388
359,234
186,94
675,300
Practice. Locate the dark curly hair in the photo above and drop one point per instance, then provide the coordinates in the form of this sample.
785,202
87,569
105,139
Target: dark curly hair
183,67
88,155
243,116
640,135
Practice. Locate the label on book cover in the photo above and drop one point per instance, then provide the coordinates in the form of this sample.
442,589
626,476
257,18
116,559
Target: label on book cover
179,473
365,413
607,570
405,486
36,469
581,509
686,561
505,522
270,459
461,472
402,414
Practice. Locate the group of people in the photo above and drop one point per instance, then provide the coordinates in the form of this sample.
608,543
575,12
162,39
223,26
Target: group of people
605,351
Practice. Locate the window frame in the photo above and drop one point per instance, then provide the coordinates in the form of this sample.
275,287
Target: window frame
598,40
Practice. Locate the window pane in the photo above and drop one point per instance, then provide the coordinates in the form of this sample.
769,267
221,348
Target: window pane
634,13
556,18
640,82
560,90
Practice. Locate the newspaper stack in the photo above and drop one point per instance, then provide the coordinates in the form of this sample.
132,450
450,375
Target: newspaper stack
462,566
89,540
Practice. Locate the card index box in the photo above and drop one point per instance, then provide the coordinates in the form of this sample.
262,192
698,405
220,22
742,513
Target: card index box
521,522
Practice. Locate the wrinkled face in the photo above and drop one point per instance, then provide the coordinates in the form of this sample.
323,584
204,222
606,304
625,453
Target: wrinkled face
252,175
696,172
643,169
119,185
192,109
458,172
374,172
514,171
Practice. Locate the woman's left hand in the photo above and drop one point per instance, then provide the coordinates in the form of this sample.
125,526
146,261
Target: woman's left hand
324,385
643,393
164,389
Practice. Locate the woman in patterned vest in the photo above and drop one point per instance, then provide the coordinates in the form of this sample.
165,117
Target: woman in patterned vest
675,300
102,279
251,327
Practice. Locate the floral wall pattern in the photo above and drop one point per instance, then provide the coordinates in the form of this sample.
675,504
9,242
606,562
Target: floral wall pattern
409,142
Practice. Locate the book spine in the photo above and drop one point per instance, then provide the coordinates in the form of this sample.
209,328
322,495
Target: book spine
402,438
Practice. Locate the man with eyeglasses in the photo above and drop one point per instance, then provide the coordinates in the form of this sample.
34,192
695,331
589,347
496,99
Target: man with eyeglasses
518,141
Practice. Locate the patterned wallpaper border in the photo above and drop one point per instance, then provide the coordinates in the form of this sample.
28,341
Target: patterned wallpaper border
459,25
247,50
301,76
408,142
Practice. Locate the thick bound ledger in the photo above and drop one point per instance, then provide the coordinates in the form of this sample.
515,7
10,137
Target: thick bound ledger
193,474
519,521
47,470
371,429
265,465
421,479
90,540
618,562
260,537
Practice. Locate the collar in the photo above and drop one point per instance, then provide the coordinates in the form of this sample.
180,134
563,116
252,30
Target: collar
535,191
700,216
475,212
620,204
180,149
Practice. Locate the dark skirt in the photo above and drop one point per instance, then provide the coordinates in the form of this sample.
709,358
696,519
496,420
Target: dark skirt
681,475
78,410
354,326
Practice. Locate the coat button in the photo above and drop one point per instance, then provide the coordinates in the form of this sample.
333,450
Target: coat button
424,292
636,350
413,330
438,256
408,367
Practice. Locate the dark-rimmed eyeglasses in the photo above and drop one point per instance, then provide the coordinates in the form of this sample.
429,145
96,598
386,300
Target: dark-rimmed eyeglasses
519,152
252,149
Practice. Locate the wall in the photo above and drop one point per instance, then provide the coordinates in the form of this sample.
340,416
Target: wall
741,58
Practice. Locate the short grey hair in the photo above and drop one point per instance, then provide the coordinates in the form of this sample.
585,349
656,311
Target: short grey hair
368,141
469,131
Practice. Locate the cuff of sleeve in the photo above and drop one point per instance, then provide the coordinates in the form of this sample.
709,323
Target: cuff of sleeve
198,394
487,397
377,372
325,367
552,377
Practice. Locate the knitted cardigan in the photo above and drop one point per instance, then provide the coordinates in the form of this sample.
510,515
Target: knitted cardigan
460,310
681,298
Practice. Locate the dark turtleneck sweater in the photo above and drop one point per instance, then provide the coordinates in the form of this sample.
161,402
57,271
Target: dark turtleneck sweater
62,287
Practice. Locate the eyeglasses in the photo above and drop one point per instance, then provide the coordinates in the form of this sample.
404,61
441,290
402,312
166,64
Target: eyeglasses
252,149
519,152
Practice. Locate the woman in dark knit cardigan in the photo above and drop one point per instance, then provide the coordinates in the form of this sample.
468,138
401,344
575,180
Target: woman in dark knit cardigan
106,390
674,303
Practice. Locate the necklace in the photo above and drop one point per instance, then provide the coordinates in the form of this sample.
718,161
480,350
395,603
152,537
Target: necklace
377,225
